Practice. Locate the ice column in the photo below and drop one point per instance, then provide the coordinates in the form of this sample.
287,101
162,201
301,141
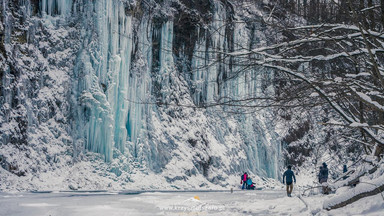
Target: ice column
119,96
115,90
209,69
217,30
241,42
104,63
56,7
199,72
166,58
140,87
205,65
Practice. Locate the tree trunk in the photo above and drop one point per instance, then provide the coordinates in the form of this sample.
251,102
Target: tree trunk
371,16
382,13
305,8
375,191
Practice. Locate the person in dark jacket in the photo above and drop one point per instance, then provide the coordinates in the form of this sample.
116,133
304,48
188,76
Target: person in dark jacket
319,176
323,174
323,178
289,176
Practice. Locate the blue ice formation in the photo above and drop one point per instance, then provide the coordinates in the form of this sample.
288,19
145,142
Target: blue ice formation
56,7
126,67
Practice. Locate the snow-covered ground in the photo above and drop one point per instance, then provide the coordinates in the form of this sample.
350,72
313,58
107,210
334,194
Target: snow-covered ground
259,202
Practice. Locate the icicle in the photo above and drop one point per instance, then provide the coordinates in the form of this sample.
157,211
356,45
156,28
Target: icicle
56,7
166,57
199,70
111,90
264,147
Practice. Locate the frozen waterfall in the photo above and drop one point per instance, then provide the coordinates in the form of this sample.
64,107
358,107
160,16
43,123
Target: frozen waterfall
116,70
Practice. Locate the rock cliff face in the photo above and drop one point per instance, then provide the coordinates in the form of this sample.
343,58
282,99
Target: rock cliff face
122,87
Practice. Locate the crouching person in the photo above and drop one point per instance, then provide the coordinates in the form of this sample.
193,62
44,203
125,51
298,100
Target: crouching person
250,185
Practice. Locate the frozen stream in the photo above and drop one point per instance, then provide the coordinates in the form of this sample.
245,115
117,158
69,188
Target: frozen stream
265,202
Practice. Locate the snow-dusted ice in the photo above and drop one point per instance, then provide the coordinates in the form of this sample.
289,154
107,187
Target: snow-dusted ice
259,202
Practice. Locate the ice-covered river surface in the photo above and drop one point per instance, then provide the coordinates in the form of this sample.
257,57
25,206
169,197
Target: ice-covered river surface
259,202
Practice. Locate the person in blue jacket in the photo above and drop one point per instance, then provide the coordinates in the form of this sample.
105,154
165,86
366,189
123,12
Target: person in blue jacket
250,185
289,176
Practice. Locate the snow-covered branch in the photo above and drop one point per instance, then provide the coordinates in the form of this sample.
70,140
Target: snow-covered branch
325,96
